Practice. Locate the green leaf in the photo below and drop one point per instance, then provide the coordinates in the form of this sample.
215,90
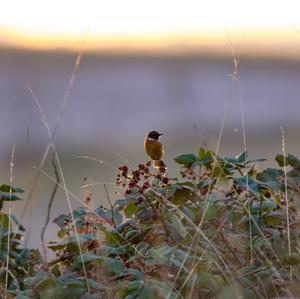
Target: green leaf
46,283
230,291
289,160
139,275
4,221
182,195
164,290
293,160
111,265
280,160
270,177
55,270
61,233
211,212
117,250
19,296
293,259
145,214
95,284
247,182
177,225
17,222
186,159
79,213
60,220
6,196
268,205
272,219
136,284
125,201
8,189
239,159
201,153
207,281
130,209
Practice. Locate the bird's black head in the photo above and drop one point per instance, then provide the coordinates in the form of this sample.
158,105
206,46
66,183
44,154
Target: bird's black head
154,135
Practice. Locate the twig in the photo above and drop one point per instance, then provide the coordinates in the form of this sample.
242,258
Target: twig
111,206
49,208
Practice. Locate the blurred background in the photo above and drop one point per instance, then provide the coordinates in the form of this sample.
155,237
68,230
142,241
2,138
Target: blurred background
145,65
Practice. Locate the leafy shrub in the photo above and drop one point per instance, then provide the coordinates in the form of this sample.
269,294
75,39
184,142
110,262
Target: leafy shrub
218,231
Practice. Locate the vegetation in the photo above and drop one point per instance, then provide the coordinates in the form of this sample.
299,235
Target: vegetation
221,230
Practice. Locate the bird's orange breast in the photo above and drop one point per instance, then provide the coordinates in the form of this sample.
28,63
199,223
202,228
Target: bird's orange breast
153,149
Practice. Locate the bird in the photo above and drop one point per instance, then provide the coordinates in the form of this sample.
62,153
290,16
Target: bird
154,149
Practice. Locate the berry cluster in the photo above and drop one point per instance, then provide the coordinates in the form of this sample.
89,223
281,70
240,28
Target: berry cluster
140,179
188,173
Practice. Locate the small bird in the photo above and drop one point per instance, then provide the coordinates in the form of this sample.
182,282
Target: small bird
154,148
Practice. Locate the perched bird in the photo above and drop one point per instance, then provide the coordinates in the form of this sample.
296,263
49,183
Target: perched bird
154,148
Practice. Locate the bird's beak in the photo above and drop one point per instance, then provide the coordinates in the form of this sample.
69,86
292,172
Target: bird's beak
160,134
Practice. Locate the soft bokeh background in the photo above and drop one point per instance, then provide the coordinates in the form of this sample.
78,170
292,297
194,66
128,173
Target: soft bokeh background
165,66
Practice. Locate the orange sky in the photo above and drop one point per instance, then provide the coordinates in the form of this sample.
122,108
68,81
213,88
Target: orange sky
263,26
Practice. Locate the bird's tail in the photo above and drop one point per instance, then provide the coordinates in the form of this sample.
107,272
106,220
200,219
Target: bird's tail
159,164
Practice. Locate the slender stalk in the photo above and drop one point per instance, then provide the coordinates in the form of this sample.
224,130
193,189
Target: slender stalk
9,220
111,206
49,210
286,197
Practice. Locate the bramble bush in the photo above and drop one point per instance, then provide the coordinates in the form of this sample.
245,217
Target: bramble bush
222,229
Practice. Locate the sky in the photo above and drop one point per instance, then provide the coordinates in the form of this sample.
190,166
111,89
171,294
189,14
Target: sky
144,23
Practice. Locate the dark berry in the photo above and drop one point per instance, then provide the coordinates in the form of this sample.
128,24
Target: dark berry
165,181
128,191
140,199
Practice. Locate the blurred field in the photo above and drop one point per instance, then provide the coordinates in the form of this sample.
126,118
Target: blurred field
116,99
